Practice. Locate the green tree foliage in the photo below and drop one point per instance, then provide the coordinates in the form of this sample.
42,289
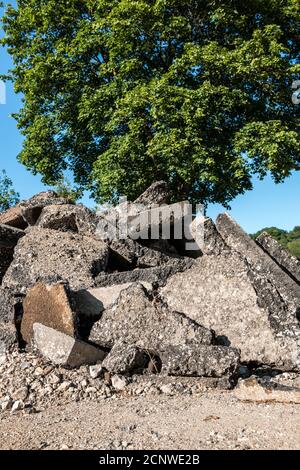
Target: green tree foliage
66,190
290,240
8,196
125,92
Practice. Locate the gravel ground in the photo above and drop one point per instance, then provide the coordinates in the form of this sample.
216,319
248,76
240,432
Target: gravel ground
213,420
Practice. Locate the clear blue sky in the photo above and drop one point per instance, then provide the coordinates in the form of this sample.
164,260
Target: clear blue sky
267,205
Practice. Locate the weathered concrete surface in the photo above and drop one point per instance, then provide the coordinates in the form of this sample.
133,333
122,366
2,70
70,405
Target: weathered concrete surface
13,217
158,275
141,320
203,361
92,302
9,237
281,256
32,208
49,256
218,293
255,390
10,318
49,305
276,290
125,359
68,218
206,237
158,193
130,254
64,350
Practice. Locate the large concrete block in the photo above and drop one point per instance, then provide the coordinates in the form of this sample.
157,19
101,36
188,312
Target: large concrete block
64,350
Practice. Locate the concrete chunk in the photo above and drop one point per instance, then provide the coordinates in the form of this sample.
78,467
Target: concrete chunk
259,391
201,361
281,256
9,237
50,306
49,256
125,359
142,320
64,350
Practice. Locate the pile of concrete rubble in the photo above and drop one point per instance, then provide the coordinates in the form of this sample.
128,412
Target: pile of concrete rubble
139,306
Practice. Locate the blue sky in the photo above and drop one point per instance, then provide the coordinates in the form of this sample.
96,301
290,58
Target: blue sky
267,205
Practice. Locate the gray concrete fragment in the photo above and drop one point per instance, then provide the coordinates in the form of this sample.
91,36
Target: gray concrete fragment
125,359
68,218
141,320
64,350
203,361
158,275
282,257
9,237
49,256
221,293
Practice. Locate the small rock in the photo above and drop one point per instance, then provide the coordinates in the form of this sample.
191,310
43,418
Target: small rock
96,371
6,404
17,406
167,389
118,382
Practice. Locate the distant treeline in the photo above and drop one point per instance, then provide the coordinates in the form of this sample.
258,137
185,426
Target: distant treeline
290,240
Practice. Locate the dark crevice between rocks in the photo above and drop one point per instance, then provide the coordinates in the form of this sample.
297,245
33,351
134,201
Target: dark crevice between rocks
18,315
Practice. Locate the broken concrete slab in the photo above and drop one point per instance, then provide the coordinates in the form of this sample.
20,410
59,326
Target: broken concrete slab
31,209
131,254
276,290
142,320
207,239
157,276
157,194
68,218
260,391
9,237
218,292
125,359
49,305
49,256
203,361
92,302
13,217
282,257
64,350
11,311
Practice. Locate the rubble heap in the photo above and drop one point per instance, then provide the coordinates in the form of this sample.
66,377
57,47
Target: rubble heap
140,305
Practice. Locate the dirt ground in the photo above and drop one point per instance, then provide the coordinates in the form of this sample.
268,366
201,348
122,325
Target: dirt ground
214,420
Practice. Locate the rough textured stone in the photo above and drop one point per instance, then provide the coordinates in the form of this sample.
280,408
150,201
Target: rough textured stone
256,390
207,238
13,217
205,361
64,350
282,257
218,292
158,275
276,290
130,254
158,193
125,359
50,306
119,383
10,318
68,218
92,302
9,237
32,208
50,256
141,320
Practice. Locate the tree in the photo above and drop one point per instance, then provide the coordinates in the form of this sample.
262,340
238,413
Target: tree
64,189
125,92
8,196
